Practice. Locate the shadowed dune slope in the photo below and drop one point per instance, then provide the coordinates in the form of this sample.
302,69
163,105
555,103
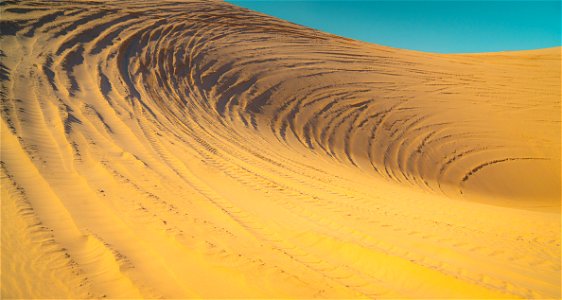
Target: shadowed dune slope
198,149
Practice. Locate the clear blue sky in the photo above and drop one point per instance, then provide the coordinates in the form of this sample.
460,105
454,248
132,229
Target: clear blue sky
434,26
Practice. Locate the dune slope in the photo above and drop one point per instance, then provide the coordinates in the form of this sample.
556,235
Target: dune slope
197,149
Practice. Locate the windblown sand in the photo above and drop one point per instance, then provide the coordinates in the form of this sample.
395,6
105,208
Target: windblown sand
197,149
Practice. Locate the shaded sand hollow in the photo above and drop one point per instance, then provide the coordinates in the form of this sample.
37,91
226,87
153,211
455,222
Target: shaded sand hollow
197,149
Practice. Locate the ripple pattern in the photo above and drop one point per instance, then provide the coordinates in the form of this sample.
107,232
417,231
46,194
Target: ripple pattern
165,148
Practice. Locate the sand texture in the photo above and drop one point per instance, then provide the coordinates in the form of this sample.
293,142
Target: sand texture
199,150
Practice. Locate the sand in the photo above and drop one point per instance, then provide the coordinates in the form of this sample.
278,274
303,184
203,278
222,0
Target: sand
199,150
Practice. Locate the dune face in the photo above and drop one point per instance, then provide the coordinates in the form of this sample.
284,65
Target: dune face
196,149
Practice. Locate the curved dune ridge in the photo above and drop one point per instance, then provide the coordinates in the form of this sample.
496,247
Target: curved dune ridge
198,149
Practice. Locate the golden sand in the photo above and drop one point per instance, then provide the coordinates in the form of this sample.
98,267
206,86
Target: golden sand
199,150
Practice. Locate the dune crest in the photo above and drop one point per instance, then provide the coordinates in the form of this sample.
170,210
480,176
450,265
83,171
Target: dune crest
197,149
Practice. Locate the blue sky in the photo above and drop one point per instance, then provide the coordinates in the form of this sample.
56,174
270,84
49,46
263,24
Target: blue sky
433,26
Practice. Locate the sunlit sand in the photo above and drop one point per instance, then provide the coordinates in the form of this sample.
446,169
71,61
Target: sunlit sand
201,150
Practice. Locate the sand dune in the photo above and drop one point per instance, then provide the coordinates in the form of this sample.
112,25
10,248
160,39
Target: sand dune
186,149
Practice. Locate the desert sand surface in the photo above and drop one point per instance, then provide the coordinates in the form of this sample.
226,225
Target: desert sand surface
183,149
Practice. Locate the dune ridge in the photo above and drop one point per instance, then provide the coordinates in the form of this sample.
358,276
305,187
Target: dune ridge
195,149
